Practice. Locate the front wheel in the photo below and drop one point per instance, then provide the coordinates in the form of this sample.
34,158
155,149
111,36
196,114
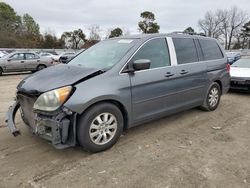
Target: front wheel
213,97
1,71
100,127
40,67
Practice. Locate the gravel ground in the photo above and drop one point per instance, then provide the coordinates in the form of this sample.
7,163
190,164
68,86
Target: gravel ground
189,149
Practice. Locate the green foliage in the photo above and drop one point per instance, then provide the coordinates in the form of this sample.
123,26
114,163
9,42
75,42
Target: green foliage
9,20
74,37
246,29
148,24
30,26
189,30
50,41
116,32
23,32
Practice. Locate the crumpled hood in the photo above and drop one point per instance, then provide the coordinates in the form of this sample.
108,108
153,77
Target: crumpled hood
54,77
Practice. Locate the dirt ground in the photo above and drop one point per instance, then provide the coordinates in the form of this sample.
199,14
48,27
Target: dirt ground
190,149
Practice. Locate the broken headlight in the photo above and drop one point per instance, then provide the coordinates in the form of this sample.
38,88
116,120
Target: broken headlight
52,100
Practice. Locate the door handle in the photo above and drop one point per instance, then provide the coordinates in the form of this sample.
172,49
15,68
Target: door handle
38,60
22,61
183,72
169,74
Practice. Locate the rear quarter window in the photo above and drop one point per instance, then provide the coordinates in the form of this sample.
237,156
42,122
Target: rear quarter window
185,50
210,49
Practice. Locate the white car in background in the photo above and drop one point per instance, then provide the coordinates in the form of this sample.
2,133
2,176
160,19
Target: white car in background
2,53
47,54
240,74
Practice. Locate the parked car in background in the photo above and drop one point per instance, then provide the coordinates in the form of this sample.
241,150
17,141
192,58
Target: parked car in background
62,58
23,61
47,54
233,57
3,53
240,75
120,83
66,57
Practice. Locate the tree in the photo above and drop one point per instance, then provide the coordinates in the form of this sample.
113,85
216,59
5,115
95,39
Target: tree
9,20
189,30
74,37
94,33
223,24
210,24
30,26
236,20
50,41
116,32
30,31
148,24
245,36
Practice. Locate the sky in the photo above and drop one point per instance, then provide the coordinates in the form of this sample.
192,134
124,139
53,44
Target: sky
57,16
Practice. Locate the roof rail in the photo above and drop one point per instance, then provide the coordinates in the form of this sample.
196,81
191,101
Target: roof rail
188,33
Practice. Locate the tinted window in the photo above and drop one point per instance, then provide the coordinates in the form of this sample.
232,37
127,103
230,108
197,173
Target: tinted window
210,49
18,56
185,50
156,51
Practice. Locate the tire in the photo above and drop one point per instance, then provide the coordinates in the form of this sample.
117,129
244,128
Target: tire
40,67
1,71
212,99
91,128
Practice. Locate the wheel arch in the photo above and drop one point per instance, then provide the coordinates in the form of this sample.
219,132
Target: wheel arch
117,103
220,84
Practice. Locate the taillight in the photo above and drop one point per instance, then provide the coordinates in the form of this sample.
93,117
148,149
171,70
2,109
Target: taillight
228,67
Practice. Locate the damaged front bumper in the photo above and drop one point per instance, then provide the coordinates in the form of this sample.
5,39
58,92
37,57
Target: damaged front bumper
58,128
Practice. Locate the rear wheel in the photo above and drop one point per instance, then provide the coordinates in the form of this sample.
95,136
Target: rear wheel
100,127
1,71
40,67
213,97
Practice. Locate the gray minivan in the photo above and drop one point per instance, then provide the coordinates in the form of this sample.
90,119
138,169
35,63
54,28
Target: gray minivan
120,83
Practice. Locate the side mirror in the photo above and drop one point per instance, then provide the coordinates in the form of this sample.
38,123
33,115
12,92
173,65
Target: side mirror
141,64
9,60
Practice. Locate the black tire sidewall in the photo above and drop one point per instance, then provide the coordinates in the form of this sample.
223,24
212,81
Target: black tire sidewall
38,67
210,108
84,125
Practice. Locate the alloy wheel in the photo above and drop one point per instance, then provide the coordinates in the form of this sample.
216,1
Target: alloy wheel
103,128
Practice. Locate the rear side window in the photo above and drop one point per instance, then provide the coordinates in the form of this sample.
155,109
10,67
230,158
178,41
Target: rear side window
156,51
185,50
210,49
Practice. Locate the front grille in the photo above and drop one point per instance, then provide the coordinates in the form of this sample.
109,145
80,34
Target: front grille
27,103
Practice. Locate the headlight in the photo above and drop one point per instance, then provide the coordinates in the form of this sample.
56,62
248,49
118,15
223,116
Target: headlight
52,100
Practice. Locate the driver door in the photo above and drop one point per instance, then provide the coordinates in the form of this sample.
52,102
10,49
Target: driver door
152,89
16,63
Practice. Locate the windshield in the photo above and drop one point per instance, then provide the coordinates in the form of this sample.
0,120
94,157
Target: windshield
243,63
104,55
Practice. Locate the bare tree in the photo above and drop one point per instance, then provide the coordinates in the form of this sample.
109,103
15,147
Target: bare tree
223,24
94,33
237,18
210,24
